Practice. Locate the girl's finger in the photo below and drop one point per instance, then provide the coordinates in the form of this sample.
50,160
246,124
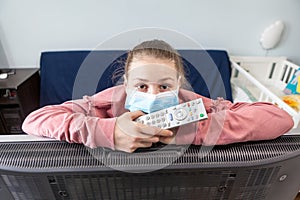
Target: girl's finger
135,114
167,140
147,139
151,130
145,144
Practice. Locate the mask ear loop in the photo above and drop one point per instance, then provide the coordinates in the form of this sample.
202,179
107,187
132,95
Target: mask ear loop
178,83
125,80
128,91
125,85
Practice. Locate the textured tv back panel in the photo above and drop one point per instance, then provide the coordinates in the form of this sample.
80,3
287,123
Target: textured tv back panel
21,187
62,171
160,186
152,185
39,156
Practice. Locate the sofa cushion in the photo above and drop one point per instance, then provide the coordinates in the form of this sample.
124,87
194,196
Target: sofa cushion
67,75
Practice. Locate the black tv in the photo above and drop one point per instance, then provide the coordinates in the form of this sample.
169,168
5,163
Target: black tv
57,170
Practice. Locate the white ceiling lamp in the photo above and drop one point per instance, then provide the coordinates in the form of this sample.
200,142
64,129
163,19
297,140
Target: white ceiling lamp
272,35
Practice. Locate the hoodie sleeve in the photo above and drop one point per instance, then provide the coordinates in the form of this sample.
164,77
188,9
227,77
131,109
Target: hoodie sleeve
238,122
75,121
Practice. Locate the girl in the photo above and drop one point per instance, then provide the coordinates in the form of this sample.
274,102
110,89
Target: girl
153,73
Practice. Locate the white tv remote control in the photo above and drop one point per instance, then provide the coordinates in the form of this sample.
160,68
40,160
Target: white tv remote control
174,116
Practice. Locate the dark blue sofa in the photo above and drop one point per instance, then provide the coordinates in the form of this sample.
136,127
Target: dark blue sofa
67,75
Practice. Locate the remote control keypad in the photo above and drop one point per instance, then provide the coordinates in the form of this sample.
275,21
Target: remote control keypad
176,115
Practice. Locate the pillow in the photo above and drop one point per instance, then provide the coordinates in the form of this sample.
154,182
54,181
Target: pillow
240,93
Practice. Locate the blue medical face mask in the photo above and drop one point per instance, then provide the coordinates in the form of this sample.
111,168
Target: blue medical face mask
149,103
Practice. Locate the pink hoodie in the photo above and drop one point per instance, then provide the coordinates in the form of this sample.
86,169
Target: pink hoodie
91,120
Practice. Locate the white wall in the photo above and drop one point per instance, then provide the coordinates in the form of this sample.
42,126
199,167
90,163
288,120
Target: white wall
31,26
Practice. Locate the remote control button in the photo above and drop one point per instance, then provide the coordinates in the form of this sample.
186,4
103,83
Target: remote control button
170,117
180,114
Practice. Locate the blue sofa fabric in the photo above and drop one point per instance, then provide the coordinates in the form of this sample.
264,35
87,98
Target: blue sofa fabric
67,75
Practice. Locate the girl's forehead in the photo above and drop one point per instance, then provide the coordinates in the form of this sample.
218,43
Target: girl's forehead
152,72
151,69
145,60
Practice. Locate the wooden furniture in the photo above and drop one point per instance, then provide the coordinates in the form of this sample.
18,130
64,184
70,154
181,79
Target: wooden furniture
19,95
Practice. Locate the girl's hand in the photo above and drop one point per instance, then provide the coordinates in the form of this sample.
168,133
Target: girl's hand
170,139
130,135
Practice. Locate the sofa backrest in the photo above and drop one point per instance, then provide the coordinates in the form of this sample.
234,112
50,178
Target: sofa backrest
67,75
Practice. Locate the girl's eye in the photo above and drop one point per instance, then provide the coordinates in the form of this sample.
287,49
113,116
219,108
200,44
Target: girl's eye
141,87
164,87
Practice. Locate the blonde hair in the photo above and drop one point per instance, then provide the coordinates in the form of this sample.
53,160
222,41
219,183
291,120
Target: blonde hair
156,49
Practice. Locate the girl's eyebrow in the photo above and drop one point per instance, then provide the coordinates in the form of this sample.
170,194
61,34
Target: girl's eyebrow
160,80
141,79
167,78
